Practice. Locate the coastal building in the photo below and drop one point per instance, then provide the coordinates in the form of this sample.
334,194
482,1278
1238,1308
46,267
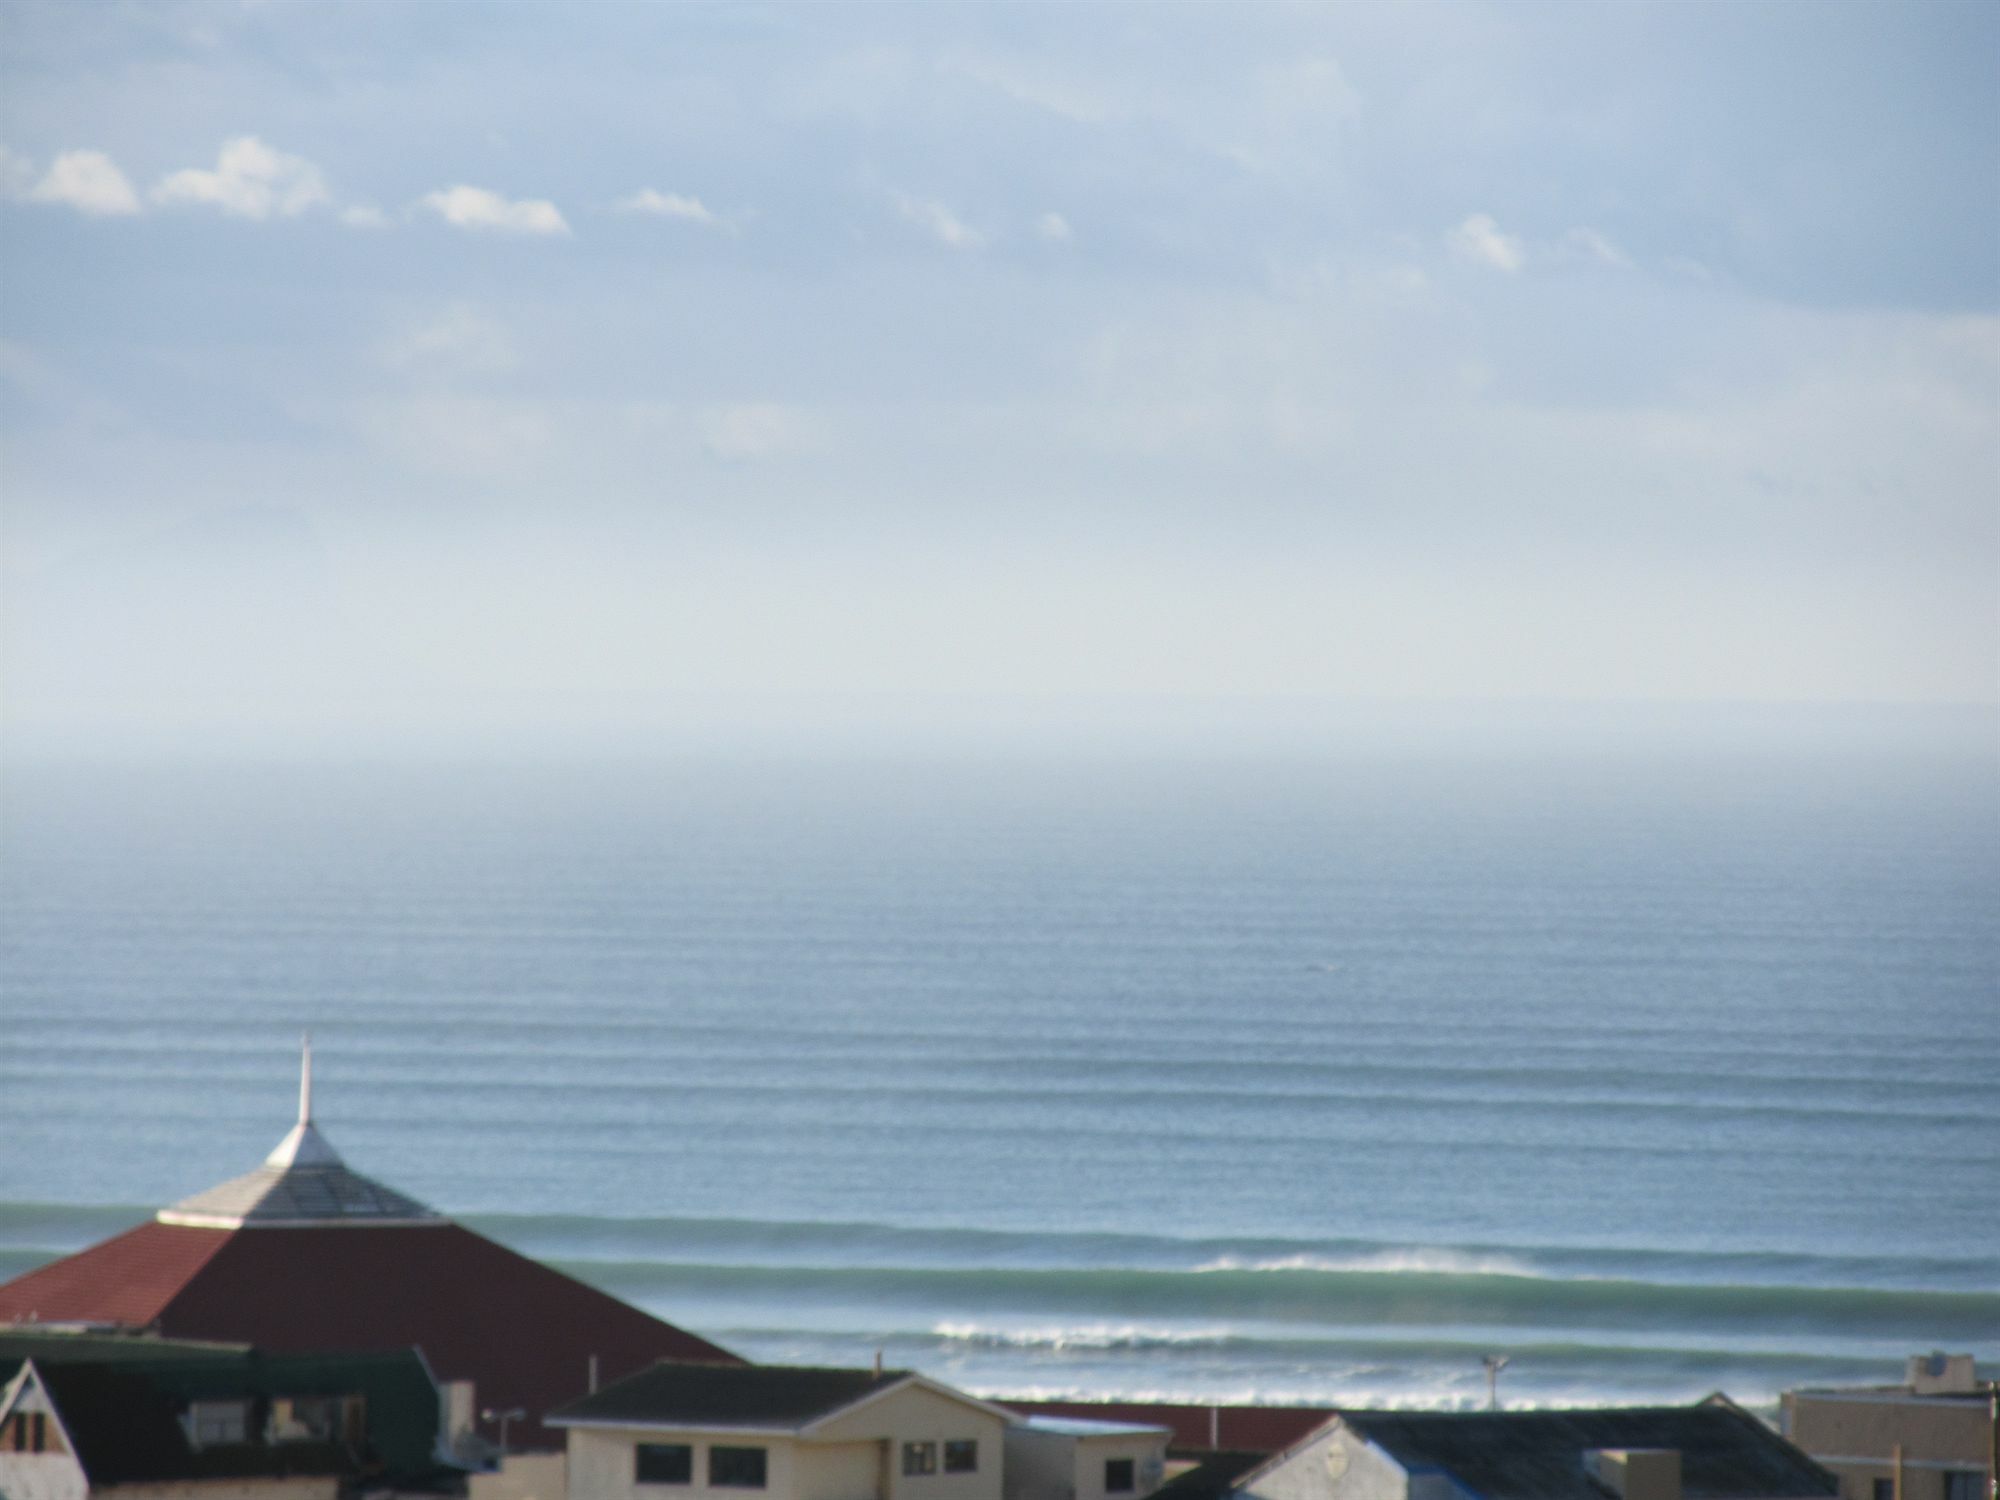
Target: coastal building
686,1429
1077,1459
139,1417
305,1254
1713,1450
1932,1437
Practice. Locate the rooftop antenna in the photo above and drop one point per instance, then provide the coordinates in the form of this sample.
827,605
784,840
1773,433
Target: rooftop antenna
1494,1363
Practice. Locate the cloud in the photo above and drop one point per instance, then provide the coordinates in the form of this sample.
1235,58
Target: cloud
250,181
1480,239
939,222
1054,228
742,431
479,209
88,181
1591,245
460,339
670,206
364,216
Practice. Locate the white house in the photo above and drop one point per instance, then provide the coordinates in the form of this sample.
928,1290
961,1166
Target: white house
1071,1458
683,1430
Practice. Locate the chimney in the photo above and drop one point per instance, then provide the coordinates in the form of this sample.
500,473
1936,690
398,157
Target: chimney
1636,1473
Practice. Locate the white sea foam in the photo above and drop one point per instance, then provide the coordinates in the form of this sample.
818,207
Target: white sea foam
1086,1336
1440,1262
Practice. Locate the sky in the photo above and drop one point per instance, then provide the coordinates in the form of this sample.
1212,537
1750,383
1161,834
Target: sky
453,375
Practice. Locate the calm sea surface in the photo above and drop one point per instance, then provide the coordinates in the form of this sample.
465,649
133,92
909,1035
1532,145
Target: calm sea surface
1263,1080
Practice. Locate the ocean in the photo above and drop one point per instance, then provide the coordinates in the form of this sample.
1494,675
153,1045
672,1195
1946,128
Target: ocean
1251,1078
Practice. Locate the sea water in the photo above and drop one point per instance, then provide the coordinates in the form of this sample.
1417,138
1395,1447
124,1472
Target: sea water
1299,1079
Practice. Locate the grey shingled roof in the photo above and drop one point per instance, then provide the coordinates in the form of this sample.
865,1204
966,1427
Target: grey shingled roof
1725,1452
292,1194
687,1393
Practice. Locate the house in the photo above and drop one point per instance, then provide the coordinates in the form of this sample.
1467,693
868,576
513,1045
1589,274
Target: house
1930,1438
1071,1458
212,1421
1713,1450
687,1429
305,1254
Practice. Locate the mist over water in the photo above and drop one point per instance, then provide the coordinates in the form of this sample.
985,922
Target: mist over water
1663,1067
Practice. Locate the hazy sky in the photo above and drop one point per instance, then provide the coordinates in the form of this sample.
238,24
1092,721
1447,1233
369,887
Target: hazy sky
435,372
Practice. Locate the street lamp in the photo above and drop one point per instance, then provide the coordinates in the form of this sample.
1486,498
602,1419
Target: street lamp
512,1414
1494,1363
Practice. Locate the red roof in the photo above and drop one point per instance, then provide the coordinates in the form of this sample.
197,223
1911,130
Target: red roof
1244,1429
524,1333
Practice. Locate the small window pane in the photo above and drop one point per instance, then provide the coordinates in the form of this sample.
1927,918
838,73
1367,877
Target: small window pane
1118,1476
961,1457
920,1458
736,1468
1964,1484
663,1463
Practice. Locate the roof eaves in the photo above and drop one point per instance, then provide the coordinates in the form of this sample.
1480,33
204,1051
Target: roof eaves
641,1424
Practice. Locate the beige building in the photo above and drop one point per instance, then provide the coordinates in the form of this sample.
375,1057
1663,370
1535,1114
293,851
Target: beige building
1071,1458
684,1430
1930,1438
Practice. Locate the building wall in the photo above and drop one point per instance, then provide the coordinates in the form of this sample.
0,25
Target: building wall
913,1414
841,1471
1855,1435
1332,1464
1147,1452
325,1487
41,1476
601,1465
1039,1465
524,1476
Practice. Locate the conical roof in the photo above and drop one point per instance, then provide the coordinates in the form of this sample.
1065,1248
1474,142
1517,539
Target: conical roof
302,1182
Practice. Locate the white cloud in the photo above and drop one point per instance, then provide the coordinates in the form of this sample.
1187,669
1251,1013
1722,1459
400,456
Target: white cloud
939,222
88,181
250,181
460,339
670,206
364,216
747,430
1054,228
478,208
1480,239
1592,245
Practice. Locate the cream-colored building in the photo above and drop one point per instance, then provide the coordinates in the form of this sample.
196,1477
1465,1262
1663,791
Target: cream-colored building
1930,1438
1072,1458
683,1430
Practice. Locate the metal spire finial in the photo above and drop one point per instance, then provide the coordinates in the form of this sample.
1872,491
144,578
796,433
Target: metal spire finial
306,1079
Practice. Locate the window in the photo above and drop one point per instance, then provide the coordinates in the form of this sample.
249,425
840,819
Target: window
28,1432
663,1463
961,1457
1885,1489
1118,1476
920,1458
736,1468
218,1422
1964,1484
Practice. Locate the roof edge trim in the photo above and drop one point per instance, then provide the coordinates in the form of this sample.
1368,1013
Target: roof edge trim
237,1221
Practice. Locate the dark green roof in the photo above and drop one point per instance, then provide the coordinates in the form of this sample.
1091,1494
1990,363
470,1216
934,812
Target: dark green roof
688,1393
1212,1478
153,1387
1538,1455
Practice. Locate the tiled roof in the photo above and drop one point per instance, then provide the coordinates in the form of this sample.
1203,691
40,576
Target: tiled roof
524,1332
1538,1455
680,1393
129,1279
